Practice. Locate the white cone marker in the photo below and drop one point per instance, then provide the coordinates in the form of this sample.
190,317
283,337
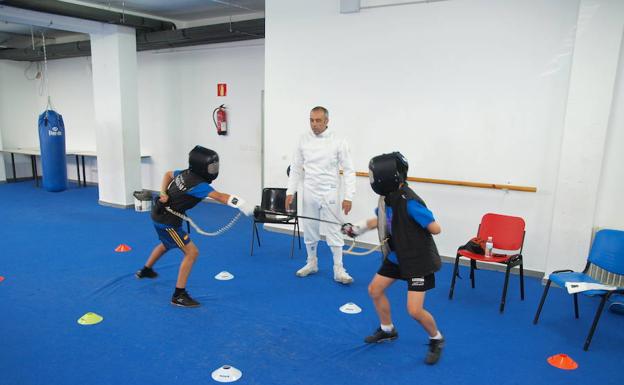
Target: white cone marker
227,373
224,276
350,308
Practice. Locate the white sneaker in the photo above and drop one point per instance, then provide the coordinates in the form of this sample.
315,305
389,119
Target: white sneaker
309,268
341,275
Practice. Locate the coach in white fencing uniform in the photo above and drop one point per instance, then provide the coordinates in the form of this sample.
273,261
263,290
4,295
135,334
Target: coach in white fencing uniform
318,159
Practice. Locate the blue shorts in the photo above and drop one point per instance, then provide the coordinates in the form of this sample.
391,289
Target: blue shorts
172,237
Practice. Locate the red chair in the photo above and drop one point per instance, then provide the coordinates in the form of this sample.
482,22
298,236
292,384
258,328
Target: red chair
507,234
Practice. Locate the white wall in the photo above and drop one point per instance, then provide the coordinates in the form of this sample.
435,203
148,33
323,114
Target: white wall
589,102
19,110
177,93
468,90
177,96
22,100
610,210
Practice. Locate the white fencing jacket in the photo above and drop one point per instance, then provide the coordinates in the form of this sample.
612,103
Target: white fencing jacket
322,157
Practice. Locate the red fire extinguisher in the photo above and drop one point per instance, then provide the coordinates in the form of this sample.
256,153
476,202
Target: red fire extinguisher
219,117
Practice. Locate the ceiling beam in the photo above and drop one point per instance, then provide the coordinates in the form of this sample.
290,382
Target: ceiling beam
208,34
19,40
47,20
95,14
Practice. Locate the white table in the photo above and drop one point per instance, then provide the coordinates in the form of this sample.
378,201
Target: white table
77,154
34,152
82,154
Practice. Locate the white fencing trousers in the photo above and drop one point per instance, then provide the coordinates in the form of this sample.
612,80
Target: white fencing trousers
318,205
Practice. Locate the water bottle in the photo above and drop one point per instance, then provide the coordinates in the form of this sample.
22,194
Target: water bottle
489,245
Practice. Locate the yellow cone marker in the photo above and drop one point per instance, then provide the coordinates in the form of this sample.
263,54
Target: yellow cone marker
90,319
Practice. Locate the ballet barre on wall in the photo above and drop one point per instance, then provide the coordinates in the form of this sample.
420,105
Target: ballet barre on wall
464,183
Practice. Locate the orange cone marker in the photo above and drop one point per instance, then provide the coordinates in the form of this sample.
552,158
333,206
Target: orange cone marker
123,248
562,361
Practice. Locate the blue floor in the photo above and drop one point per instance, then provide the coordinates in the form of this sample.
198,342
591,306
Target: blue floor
58,261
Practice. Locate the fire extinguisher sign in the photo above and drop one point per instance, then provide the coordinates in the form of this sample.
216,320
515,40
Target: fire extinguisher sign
221,89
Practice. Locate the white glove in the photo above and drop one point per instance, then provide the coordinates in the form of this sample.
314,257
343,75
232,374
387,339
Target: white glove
239,203
356,229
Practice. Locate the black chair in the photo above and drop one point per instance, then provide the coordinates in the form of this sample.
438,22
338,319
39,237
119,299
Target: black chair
273,200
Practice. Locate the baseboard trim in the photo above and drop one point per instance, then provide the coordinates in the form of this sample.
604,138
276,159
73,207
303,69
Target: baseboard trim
26,178
20,179
88,183
115,205
445,259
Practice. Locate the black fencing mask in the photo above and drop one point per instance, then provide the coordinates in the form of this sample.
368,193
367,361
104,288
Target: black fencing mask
387,172
204,162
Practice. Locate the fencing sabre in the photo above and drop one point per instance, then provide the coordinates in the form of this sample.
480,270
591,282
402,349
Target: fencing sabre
258,211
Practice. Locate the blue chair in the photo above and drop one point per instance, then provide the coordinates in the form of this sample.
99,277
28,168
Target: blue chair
605,265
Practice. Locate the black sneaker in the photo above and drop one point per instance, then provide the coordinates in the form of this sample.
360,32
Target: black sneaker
184,300
381,336
146,272
434,351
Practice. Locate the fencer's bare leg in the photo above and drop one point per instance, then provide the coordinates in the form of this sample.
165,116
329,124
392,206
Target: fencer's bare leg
158,252
415,302
190,256
377,292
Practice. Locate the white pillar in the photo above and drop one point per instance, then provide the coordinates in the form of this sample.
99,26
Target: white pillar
2,165
592,81
2,126
114,59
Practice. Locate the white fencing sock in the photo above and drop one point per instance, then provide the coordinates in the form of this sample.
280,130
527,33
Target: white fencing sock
311,249
337,253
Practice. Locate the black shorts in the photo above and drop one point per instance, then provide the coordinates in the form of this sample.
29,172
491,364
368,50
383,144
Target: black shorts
391,270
